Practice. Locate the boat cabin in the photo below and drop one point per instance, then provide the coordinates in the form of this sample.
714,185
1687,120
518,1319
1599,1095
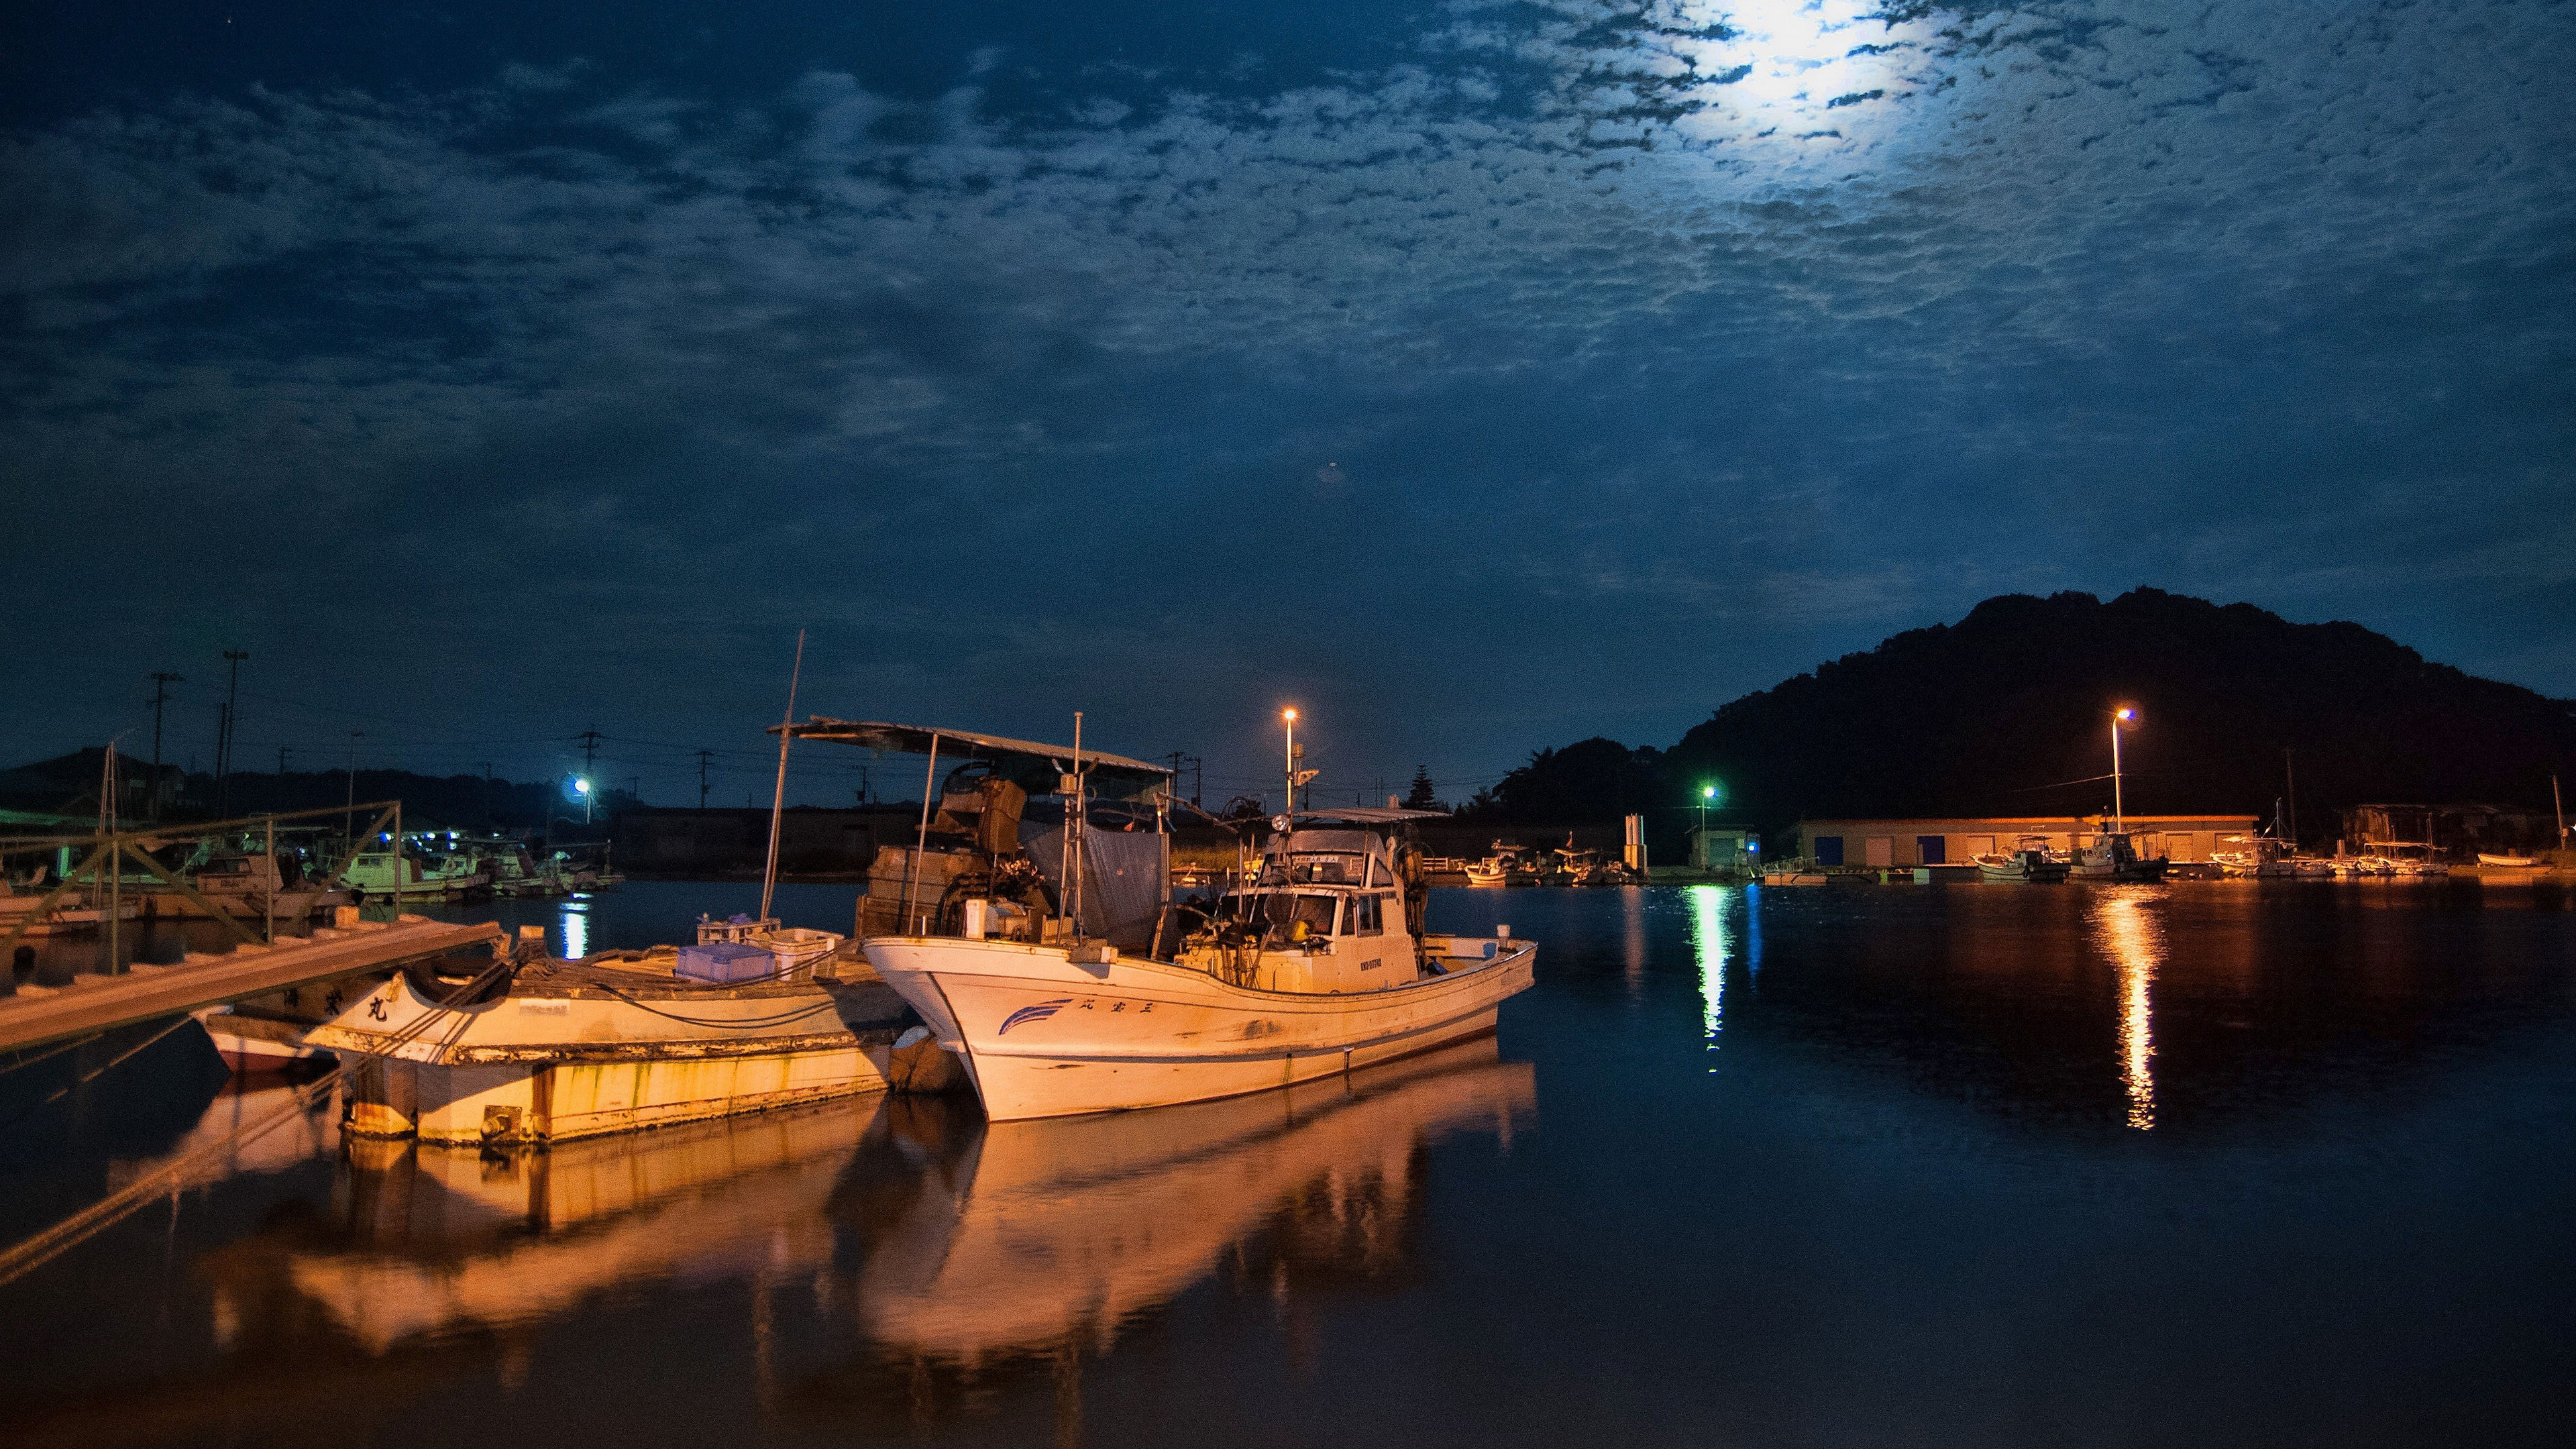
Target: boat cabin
1335,907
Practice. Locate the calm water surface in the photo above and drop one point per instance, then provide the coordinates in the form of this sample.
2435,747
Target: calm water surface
2232,1163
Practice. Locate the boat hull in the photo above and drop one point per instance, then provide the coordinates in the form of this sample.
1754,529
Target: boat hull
538,1065
1045,1036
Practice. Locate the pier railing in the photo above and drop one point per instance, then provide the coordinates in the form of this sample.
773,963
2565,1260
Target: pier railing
103,870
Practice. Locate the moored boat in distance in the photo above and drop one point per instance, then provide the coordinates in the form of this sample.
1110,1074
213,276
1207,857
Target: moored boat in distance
382,875
2111,856
2507,862
2029,862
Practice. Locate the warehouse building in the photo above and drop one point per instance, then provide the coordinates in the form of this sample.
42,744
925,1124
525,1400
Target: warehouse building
1888,843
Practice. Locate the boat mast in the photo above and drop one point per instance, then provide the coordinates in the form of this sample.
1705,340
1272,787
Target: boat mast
1077,821
778,795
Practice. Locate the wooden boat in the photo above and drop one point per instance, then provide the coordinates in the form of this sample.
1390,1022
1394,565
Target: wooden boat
2029,862
1316,966
271,1033
535,1049
1491,871
2507,862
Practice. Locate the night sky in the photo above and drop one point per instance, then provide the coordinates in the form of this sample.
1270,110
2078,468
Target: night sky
1476,376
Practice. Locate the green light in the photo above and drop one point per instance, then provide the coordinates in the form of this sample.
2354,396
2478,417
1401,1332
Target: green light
1708,792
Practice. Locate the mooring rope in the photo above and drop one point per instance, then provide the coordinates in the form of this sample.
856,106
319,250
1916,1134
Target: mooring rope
71,1232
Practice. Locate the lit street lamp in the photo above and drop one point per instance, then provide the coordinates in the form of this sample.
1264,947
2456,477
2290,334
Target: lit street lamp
582,788
2123,715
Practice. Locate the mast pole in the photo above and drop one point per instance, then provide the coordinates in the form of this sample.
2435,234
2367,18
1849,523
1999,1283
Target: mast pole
921,841
778,795
1080,824
2558,805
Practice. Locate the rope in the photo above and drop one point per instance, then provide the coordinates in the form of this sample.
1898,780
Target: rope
120,1059
779,1020
50,1052
71,1232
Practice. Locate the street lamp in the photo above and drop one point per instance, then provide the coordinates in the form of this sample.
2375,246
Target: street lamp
2123,715
1290,717
582,788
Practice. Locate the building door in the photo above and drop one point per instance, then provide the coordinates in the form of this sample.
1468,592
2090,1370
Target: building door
1829,850
1879,851
1931,850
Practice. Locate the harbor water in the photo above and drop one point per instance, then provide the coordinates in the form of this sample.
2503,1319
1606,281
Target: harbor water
2257,1163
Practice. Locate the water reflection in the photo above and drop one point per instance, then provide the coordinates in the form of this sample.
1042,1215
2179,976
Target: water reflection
1632,943
1026,1236
576,929
1708,946
2129,925
437,1241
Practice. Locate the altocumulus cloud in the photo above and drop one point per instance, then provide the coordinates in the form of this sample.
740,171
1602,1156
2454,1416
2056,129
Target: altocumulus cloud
1780,322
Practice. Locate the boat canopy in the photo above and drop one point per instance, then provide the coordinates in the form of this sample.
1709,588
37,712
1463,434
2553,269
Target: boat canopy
1369,815
1032,766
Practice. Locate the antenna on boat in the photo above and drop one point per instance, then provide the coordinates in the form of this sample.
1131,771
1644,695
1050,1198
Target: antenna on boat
778,796
1076,822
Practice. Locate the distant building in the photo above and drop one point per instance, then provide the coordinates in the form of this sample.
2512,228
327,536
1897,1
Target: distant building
1881,843
1725,847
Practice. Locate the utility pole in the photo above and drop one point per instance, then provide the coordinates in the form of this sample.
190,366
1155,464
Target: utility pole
1198,781
488,817
706,755
589,741
281,764
350,825
160,695
232,725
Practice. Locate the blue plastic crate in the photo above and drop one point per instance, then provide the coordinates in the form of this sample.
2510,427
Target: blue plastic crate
725,962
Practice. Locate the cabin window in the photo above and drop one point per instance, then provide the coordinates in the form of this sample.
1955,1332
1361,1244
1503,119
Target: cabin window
1283,911
1370,912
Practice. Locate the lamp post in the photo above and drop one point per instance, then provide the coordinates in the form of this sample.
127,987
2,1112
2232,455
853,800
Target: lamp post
582,788
2119,717
1289,717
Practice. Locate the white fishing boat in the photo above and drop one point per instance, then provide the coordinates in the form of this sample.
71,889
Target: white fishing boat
2111,856
2508,862
1314,968
381,875
1315,963
2029,862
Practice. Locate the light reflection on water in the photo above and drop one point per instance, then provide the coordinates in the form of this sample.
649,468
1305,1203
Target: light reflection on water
576,929
2130,926
1709,946
898,1269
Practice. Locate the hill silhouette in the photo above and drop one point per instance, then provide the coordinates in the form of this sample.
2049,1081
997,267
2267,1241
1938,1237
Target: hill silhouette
2007,712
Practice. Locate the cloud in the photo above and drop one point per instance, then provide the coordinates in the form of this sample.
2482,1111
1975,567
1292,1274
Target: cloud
1706,319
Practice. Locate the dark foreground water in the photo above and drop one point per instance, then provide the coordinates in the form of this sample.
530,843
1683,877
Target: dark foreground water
2209,1164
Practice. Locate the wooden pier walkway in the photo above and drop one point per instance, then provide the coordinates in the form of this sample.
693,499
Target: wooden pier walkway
37,1015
